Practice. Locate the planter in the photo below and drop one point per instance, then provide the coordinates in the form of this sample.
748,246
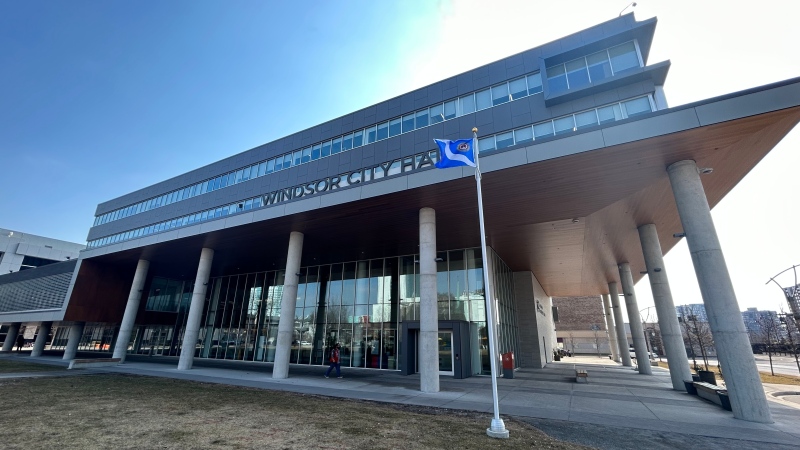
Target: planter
556,357
690,387
707,376
695,377
724,399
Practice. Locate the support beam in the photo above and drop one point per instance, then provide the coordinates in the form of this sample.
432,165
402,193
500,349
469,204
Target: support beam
428,311
637,333
283,347
74,338
665,308
612,330
131,309
41,338
192,329
619,322
11,337
748,400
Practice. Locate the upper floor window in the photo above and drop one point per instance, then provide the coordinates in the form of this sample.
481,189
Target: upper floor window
589,69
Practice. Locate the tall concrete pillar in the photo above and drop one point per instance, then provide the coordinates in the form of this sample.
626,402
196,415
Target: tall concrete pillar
74,338
192,329
41,338
665,307
637,333
612,331
128,319
619,322
283,346
11,337
428,311
748,400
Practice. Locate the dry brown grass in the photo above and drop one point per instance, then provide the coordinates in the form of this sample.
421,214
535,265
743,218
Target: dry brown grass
13,366
125,411
779,378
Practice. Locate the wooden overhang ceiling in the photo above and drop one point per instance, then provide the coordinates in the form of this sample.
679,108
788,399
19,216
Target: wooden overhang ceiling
529,212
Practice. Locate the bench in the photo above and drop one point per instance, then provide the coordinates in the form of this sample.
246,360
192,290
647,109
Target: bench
97,362
581,376
708,391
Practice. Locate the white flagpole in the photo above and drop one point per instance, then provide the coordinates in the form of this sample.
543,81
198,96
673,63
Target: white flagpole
498,427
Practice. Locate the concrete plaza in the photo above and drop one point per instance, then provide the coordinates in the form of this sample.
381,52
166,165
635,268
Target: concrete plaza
615,396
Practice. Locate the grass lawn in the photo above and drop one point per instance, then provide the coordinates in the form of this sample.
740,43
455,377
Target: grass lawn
126,411
13,366
779,378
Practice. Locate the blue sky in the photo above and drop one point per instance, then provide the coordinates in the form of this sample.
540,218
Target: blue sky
100,98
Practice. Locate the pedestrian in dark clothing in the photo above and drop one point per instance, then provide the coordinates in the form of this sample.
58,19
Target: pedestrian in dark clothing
20,342
334,362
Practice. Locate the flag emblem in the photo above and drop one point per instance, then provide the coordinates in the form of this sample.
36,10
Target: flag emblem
455,153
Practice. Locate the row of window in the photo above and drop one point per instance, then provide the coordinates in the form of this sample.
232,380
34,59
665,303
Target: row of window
486,98
558,126
589,69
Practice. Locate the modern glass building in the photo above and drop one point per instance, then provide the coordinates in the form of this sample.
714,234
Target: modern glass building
346,232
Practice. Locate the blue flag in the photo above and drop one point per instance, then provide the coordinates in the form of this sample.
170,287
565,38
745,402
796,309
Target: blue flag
455,153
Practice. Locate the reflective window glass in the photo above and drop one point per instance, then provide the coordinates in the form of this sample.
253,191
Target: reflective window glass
395,127
504,140
585,119
318,152
422,118
287,160
347,142
248,205
541,130
486,144
467,104
483,99
223,182
577,74
522,135
239,175
307,154
557,79
437,114
450,110
623,57
203,189
500,94
262,169
383,131
336,146
370,134
408,123
245,174
358,138
231,178
253,171
637,106
298,156
270,166
599,67
564,124
518,88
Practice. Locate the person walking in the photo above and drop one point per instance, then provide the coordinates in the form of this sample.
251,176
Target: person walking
334,362
20,342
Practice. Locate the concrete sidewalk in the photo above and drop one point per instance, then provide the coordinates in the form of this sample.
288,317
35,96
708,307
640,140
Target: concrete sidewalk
615,396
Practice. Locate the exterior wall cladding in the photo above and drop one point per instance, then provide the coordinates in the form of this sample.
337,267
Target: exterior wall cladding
579,313
503,117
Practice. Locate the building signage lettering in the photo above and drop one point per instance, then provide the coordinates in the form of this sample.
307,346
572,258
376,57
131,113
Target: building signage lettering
397,166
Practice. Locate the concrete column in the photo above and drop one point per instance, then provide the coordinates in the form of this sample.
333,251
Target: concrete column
74,338
619,322
283,346
41,338
428,311
637,333
11,337
748,400
128,319
195,310
665,307
612,331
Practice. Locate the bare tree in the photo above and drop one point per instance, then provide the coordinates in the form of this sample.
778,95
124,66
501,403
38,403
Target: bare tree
699,333
792,335
768,332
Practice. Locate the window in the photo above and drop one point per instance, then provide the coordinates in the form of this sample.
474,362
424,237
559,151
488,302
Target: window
422,118
557,79
505,140
486,144
307,153
262,169
324,149
383,130
500,94
336,147
637,106
483,99
522,135
287,160
270,166
395,127
564,125
298,156
369,135
450,110
347,142
599,66
437,114
518,88
543,129
467,104
358,138
316,152
585,119
577,75
408,123
623,57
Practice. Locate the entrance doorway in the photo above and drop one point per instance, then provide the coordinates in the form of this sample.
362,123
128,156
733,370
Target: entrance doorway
446,353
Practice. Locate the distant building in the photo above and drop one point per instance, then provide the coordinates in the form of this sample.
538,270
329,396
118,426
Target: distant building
22,251
698,310
760,324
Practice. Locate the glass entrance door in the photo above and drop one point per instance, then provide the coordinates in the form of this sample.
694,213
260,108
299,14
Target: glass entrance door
446,353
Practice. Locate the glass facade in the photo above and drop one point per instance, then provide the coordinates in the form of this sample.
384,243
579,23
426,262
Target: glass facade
590,69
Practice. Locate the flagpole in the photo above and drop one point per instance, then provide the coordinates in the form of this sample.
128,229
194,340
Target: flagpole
498,427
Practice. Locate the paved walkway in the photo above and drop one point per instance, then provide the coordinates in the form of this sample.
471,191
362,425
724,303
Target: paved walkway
615,396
